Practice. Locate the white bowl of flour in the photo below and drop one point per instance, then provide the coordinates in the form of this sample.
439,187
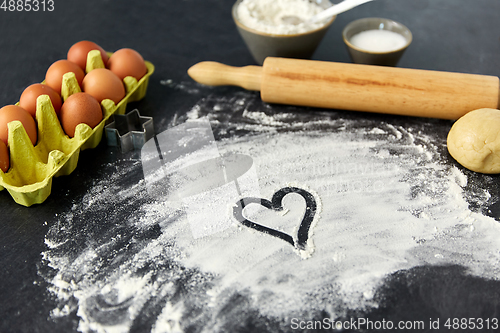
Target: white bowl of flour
266,33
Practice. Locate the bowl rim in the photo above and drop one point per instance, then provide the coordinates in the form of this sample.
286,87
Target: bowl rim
382,20
266,34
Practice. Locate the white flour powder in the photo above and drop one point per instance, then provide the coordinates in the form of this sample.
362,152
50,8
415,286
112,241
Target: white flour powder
388,203
267,15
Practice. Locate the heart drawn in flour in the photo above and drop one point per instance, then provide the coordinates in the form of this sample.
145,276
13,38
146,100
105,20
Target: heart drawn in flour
276,204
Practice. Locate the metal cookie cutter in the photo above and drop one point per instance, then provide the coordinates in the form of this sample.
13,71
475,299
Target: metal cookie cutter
129,131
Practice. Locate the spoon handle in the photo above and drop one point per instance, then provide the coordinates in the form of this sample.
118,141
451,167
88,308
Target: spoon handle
337,9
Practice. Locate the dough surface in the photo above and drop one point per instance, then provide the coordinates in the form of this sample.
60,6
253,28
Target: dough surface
474,140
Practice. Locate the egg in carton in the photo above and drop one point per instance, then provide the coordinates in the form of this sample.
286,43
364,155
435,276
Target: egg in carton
29,178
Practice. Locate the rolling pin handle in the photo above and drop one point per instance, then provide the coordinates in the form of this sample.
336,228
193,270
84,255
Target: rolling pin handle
216,74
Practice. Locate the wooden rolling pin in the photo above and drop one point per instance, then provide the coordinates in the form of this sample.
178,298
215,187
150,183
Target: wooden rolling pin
402,91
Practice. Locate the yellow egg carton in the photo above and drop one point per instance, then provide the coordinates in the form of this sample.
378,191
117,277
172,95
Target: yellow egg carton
29,178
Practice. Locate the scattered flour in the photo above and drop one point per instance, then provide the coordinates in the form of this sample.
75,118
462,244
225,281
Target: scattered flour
187,87
267,15
388,201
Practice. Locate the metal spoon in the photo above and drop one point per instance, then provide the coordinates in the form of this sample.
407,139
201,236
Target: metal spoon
327,13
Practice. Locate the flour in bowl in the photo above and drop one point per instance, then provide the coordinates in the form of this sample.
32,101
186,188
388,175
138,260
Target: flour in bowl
267,15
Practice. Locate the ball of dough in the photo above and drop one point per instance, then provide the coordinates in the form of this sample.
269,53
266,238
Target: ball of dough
474,140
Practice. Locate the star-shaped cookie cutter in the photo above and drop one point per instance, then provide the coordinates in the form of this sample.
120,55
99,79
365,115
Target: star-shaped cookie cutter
129,131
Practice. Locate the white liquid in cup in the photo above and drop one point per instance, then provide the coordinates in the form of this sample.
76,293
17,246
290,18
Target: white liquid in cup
378,40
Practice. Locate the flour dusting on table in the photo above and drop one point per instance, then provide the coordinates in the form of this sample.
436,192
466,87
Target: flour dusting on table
389,202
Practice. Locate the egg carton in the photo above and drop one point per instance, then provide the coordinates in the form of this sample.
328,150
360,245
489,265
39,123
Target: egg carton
29,178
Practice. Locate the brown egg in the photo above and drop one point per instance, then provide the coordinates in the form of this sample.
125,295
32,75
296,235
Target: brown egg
80,108
13,112
127,62
53,77
4,157
79,51
103,84
30,94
